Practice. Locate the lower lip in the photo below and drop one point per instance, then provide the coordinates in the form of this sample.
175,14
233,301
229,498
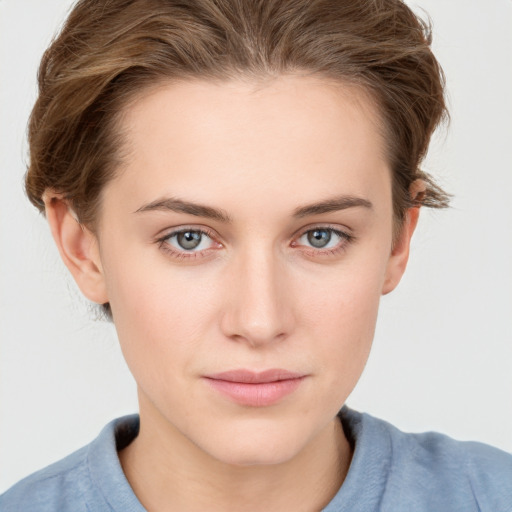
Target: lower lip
256,395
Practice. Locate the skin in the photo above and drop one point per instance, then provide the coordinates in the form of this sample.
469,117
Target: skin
256,294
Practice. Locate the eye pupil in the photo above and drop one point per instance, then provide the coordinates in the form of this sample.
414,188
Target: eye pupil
319,237
189,239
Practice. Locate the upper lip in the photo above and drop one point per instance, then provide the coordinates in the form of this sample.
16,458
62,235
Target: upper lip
252,377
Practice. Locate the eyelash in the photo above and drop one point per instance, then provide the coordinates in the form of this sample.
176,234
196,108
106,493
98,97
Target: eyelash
182,255
345,240
163,243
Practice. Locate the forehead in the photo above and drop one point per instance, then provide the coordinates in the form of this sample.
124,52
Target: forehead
220,141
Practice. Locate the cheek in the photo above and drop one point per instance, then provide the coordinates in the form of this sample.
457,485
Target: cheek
339,313
348,293
160,313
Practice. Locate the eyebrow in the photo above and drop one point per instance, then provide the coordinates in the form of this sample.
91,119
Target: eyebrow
332,205
199,210
180,206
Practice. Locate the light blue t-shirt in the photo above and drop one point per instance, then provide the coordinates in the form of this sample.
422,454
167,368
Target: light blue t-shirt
390,472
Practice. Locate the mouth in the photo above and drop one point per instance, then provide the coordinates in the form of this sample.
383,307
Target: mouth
255,389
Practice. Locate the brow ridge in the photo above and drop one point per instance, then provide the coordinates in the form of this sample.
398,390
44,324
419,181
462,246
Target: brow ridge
180,206
332,205
198,210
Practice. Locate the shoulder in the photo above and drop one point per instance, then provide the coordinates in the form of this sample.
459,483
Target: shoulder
60,486
432,450
83,481
430,471
466,470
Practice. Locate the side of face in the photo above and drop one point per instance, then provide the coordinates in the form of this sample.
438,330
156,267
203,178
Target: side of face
255,277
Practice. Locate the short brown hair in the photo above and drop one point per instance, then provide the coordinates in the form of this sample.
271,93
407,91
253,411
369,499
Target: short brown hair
109,51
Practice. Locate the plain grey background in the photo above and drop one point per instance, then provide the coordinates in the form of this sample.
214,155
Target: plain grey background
442,357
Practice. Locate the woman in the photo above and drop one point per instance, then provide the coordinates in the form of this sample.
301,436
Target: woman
237,184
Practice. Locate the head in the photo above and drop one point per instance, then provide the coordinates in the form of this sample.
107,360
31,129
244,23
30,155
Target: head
237,183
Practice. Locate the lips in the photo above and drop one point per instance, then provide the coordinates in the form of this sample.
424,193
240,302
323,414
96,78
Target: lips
255,389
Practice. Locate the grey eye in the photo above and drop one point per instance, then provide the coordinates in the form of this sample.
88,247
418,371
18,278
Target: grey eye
319,238
189,240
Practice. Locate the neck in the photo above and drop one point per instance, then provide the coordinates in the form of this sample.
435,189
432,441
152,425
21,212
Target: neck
169,472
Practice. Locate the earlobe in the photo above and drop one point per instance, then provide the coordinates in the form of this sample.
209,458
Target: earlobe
77,246
400,253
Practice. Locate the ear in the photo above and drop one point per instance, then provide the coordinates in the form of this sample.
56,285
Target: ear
78,247
400,253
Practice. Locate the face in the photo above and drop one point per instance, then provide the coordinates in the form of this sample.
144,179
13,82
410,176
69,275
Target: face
243,248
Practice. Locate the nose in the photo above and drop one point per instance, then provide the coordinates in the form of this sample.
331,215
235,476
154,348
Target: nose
259,307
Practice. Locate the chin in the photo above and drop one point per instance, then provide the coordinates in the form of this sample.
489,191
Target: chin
256,455
262,443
